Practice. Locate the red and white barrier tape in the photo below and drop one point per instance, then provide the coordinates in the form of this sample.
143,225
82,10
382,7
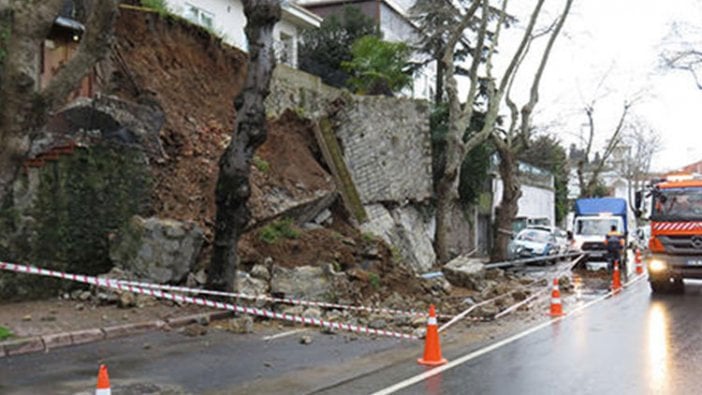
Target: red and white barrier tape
281,300
113,284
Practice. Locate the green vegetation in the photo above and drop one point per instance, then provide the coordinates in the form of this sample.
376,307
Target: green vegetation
5,333
76,201
368,237
374,280
323,50
157,5
378,67
395,252
276,230
261,164
475,166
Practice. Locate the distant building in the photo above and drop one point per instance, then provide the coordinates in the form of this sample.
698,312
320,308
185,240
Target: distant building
226,19
695,168
537,203
392,17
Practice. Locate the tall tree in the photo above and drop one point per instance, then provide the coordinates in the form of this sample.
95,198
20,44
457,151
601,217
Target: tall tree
24,104
513,140
642,143
250,132
682,51
461,114
589,171
436,20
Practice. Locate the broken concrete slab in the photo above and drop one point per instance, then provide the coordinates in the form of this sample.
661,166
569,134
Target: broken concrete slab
304,282
406,229
249,285
157,250
466,272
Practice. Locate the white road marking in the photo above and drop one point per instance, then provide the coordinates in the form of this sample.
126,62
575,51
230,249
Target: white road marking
283,334
475,354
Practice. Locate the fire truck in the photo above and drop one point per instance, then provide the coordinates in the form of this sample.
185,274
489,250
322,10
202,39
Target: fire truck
675,245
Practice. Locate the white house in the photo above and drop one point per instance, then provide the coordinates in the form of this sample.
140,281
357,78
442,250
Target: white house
226,18
538,198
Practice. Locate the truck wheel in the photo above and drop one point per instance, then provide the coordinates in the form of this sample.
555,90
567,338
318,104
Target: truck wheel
677,286
660,286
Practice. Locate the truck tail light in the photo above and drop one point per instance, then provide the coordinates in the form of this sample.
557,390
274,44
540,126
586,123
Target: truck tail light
655,245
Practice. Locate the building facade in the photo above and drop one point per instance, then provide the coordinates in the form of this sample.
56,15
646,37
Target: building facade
226,19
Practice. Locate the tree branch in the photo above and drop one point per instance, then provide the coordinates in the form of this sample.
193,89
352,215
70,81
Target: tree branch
534,92
459,119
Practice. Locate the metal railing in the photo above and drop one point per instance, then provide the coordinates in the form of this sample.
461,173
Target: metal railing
524,261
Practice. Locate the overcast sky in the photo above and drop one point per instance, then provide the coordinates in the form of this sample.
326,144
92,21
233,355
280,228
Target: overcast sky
610,52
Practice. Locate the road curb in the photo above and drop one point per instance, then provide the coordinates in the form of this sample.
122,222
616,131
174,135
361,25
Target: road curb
46,343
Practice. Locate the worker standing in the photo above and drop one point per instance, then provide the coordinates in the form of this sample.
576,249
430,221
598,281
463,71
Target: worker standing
614,241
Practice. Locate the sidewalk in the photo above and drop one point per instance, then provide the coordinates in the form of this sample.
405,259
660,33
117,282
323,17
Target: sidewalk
43,325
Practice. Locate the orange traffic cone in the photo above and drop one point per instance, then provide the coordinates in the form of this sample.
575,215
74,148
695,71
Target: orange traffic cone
556,306
103,382
639,262
616,278
432,347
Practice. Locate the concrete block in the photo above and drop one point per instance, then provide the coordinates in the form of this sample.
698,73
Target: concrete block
87,336
57,340
24,346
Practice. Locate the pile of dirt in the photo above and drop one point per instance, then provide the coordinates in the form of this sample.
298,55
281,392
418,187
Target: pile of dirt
194,78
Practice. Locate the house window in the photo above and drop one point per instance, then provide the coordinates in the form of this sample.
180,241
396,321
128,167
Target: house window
199,16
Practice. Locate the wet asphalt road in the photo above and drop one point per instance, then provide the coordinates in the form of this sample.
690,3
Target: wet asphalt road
634,343
172,363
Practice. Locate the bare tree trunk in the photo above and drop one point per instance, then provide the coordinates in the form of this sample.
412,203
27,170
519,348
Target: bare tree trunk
514,142
250,132
447,186
23,107
588,184
509,205
446,194
439,93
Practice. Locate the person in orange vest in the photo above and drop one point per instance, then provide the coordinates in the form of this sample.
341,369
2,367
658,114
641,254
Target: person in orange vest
614,241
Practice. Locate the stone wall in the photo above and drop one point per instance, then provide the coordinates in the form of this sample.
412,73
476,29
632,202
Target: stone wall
386,142
386,147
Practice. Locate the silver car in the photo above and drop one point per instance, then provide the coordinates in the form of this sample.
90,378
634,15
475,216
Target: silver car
562,241
533,242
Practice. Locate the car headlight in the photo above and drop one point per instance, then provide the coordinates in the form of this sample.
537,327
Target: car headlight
656,266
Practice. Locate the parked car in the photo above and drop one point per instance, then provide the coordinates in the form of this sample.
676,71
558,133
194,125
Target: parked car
563,242
532,242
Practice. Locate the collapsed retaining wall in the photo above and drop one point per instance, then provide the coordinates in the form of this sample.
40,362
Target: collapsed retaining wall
386,147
